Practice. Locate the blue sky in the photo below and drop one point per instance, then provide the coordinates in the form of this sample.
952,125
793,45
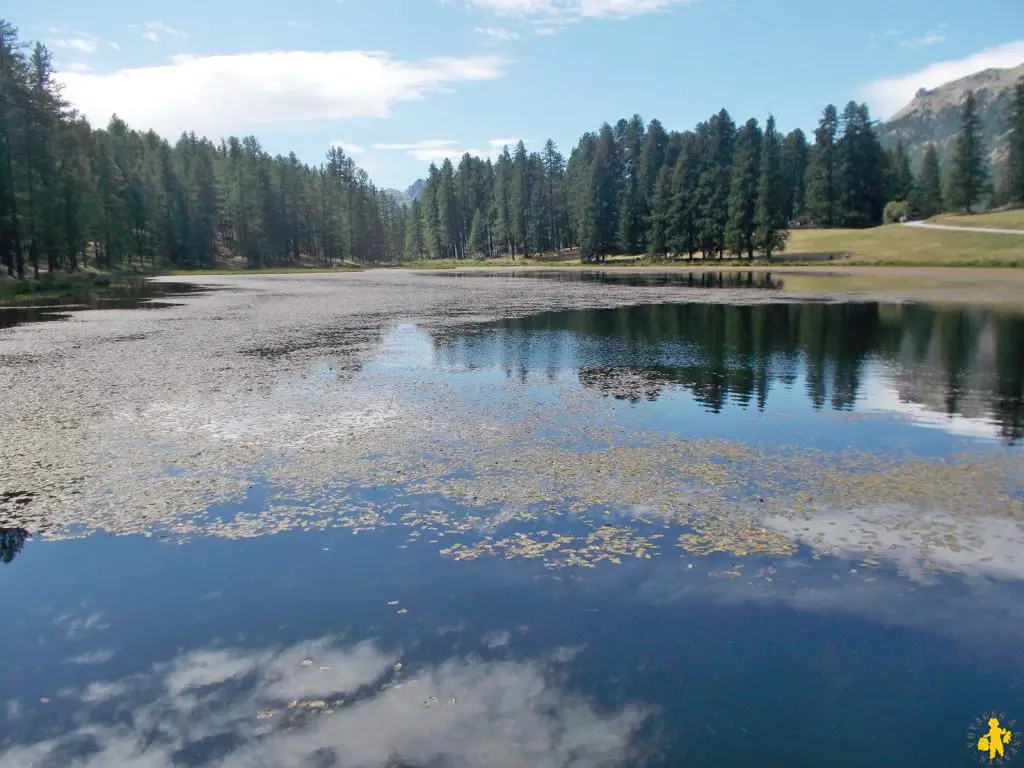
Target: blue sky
404,82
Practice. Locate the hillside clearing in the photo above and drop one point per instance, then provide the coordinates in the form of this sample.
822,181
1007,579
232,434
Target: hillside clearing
898,245
1002,220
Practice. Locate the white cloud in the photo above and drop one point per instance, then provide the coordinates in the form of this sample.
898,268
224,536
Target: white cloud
498,33
78,66
887,95
351,149
564,11
544,30
924,41
299,25
115,46
214,95
152,30
82,44
92,657
436,150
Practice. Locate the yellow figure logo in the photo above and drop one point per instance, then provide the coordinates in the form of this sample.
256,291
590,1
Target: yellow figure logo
993,742
995,738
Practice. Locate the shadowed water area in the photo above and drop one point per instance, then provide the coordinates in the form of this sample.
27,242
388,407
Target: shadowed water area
399,520
127,293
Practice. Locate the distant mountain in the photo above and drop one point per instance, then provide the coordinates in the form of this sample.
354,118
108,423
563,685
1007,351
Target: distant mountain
415,190
934,116
410,194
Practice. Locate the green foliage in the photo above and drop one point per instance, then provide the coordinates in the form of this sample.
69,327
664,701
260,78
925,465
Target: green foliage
795,159
478,236
1014,184
861,170
770,222
968,176
746,167
895,211
926,200
901,180
822,182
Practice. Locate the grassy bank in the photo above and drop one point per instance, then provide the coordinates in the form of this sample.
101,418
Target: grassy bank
57,286
897,245
891,245
60,285
1000,220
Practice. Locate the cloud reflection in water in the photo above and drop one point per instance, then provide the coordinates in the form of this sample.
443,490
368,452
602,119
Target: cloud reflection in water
203,708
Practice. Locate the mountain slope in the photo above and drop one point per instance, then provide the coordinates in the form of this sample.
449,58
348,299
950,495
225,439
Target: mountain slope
934,116
415,189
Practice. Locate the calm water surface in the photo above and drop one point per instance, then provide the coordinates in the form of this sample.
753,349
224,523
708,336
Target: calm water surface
323,648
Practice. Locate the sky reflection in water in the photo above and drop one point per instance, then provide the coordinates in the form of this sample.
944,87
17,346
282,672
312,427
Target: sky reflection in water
153,653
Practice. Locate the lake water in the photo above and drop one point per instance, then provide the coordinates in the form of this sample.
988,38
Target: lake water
744,534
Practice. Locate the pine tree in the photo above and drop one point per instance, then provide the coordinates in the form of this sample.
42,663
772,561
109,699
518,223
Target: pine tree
659,217
746,166
1015,171
821,173
554,179
478,236
771,233
683,233
652,159
930,184
718,135
795,158
967,175
414,231
861,170
631,216
599,219
901,180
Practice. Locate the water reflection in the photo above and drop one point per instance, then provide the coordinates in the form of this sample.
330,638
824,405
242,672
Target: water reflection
11,542
966,363
699,279
323,703
126,293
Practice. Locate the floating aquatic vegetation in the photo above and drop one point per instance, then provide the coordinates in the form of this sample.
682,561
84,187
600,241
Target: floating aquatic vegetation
737,534
135,446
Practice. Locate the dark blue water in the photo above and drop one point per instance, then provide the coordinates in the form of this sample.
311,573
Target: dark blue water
282,650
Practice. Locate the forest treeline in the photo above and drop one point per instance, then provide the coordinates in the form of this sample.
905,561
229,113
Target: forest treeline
73,195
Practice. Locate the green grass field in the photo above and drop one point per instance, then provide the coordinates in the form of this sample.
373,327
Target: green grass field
1001,220
897,245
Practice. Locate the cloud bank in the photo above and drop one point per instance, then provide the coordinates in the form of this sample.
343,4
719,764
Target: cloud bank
220,94
887,95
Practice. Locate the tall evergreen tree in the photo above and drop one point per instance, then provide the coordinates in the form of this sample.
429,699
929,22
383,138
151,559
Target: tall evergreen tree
746,167
659,219
929,184
967,175
478,235
771,231
414,231
718,136
1015,171
901,179
795,158
822,188
861,170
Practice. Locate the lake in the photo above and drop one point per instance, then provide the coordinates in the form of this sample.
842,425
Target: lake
459,519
